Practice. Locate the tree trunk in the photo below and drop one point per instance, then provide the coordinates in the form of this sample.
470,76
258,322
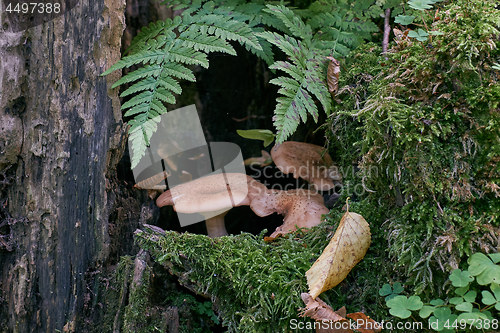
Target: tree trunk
61,131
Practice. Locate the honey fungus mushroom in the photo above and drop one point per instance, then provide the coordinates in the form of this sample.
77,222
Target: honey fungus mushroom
300,208
212,196
308,162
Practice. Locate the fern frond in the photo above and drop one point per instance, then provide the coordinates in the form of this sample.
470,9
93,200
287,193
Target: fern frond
188,56
150,32
225,28
150,70
147,84
305,72
205,43
294,23
141,130
139,58
289,45
288,68
290,110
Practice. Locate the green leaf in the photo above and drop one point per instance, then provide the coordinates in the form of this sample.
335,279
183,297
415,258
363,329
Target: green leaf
389,291
456,300
484,269
404,19
426,311
470,296
385,290
436,33
258,134
464,307
437,302
441,316
460,278
421,4
462,291
472,318
495,288
293,22
399,312
414,303
488,298
397,288
492,298
400,306
495,257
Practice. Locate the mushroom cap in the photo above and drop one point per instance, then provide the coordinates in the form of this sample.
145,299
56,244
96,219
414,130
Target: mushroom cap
308,162
301,208
212,193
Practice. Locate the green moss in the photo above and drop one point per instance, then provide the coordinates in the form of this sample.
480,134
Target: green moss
255,285
422,126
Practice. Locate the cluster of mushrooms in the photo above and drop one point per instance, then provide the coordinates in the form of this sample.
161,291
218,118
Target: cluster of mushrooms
301,208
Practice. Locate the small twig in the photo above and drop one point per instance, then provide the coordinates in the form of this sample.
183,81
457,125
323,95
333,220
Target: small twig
387,31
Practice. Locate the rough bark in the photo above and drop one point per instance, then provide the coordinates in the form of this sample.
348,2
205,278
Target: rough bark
62,129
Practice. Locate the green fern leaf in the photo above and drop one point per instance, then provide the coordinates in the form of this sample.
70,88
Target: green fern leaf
187,56
290,110
290,46
179,71
223,25
150,70
294,23
144,97
142,57
288,68
139,109
171,84
148,83
152,31
205,43
165,96
141,130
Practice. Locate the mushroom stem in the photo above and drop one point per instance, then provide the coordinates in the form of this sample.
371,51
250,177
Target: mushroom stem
215,226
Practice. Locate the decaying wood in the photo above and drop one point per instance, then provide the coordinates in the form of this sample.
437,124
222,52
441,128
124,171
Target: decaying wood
68,138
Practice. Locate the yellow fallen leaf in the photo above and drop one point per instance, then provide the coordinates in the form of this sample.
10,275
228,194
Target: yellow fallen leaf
347,247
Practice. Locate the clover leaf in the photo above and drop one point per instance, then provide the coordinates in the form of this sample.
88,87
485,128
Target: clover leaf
437,302
484,269
464,307
492,298
421,4
460,278
420,34
475,317
462,291
385,290
401,306
470,296
426,311
495,257
404,19
390,292
441,316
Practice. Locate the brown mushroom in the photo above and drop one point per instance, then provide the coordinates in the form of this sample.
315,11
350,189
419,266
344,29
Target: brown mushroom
212,196
308,162
300,208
